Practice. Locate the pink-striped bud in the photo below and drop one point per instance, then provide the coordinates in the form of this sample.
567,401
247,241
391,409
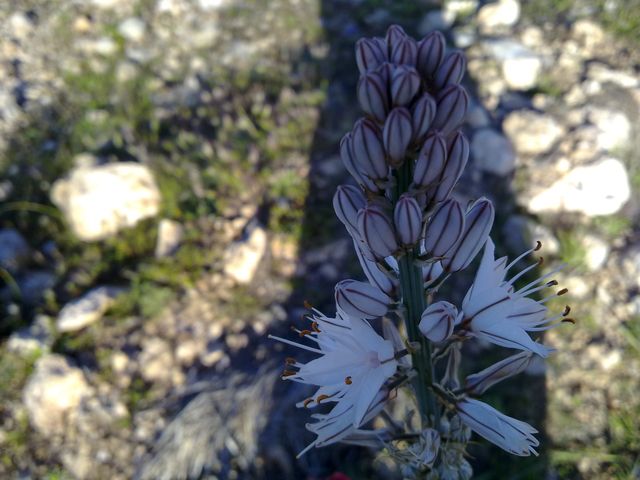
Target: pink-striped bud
430,53
407,217
397,135
375,276
457,156
453,102
438,320
431,272
477,224
431,161
349,161
370,53
404,52
347,201
405,83
478,383
376,230
368,150
372,95
444,229
422,115
361,299
451,71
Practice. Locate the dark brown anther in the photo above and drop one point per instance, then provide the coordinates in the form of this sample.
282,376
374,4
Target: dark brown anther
307,402
538,246
304,332
569,320
348,380
290,361
552,283
314,326
567,309
321,397
307,305
562,292
540,261
288,373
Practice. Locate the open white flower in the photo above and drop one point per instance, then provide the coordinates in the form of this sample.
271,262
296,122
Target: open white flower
495,311
510,434
354,364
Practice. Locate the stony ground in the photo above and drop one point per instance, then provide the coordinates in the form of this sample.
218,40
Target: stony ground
166,168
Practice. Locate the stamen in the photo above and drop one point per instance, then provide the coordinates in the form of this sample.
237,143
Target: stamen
520,257
307,402
307,305
314,326
302,333
538,246
540,261
288,373
522,272
290,361
552,283
322,397
523,291
348,380
567,309
562,292
299,345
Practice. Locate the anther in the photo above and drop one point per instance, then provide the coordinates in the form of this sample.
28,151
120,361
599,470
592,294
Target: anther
563,291
307,402
552,283
567,309
538,246
290,361
569,320
288,373
348,380
321,397
314,326
304,332
540,261
307,305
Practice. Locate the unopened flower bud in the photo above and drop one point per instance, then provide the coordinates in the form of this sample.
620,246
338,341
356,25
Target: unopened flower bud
372,95
477,224
405,83
349,161
375,276
478,383
395,34
444,228
397,135
457,156
430,53
368,150
431,161
438,320
370,53
346,203
407,217
453,102
451,71
431,272
361,299
376,230
423,113
404,52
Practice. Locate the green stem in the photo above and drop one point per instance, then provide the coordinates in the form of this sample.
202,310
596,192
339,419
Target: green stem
413,298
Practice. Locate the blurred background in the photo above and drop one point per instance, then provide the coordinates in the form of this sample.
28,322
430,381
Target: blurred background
166,172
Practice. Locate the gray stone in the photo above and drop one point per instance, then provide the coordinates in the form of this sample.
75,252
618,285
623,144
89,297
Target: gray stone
242,258
531,133
52,392
132,29
497,16
492,152
596,252
598,189
88,309
170,235
520,65
613,127
100,201
35,338
14,250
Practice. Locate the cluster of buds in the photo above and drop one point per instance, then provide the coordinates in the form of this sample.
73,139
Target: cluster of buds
410,234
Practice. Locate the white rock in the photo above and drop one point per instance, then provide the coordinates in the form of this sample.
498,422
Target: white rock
492,152
20,25
100,201
520,65
242,258
14,250
54,390
170,235
598,189
601,73
531,133
87,309
102,46
132,29
589,34
36,338
212,4
156,361
613,127
452,9
596,251
494,16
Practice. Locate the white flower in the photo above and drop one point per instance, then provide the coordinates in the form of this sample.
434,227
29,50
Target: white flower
354,364
508,433
479,382
495,311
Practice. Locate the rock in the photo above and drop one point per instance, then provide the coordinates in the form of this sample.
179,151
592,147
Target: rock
36,338
20,25
520,66
52,392
99,46
87,309
100,201
492,152
588,34
613,127
531,133
601,73
596,252
242,258
453,9
14,250
598,189
132,29
156,361
170,235
493,17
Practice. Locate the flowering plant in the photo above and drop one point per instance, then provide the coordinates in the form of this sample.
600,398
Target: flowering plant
410,235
